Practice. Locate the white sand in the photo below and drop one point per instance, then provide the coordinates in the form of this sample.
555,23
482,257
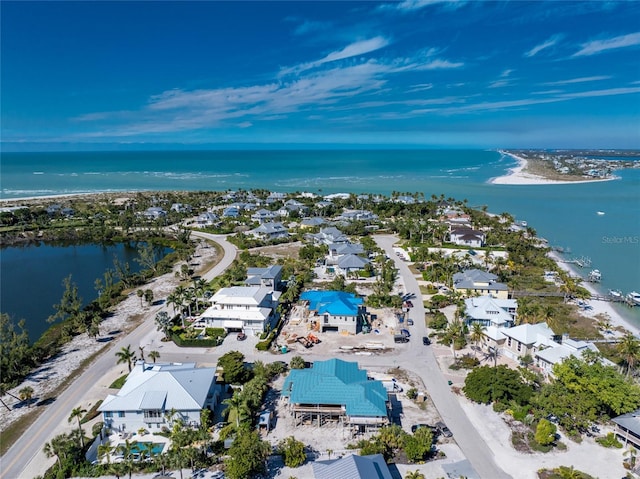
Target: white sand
518,176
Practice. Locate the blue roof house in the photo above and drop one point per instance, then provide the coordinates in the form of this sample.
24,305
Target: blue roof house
336,391
335,310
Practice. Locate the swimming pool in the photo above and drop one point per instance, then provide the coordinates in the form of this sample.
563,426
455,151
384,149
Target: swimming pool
142,447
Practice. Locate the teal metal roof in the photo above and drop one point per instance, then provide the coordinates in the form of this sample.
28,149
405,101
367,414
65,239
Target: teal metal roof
337,382
336,303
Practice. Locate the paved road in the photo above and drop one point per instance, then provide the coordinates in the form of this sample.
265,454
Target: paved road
29,446
421,360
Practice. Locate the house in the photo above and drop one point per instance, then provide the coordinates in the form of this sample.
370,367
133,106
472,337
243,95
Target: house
358,215
352,467
241,308
526,339
349,263
628,428
490,311
337,392
475,281
154,213
546,358
330,235
263,216
335,310
206,219
312,222
269,231
180,208
270,277
336,250
231,212
155,395
467,237
275,197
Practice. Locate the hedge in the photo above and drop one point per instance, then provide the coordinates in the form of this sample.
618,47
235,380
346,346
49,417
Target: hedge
198,343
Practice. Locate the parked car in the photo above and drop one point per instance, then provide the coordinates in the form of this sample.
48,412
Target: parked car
410,322
443,429
409,304
405,332
426,341
400,338
241,337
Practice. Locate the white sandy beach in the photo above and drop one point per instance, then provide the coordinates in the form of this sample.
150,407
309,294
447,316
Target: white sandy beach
518,176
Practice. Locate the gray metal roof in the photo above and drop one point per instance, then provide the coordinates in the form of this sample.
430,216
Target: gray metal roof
353,467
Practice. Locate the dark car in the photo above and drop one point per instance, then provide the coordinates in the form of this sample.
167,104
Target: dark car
426,341
405,332
410,322
443,429
241,337
409,304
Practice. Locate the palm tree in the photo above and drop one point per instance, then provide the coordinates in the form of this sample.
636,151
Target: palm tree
140,294
153,355
77,413
477,335
26,393
105,450
414,475
239,407
56,448
629,349
125,355
174,301
141,348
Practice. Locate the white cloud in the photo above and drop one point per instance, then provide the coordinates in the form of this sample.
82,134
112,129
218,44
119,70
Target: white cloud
354,49
579,80
596,93
543,46
411,5
440,65
309,26
598,46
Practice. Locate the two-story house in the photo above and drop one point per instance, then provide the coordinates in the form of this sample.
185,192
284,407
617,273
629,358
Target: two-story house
335,310
477,282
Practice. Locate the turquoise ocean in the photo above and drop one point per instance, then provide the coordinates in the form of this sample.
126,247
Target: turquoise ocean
565,215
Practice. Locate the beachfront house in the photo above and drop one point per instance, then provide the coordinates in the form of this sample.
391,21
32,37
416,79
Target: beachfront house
156,395
358,215
473,282
628,428
490,311
251,309
336,392
352,467
547,357
526,339
337,311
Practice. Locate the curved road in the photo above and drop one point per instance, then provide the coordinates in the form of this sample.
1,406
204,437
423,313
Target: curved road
31,442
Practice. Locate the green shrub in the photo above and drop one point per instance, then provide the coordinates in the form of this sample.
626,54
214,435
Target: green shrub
609,441
118,383
412,393
439,321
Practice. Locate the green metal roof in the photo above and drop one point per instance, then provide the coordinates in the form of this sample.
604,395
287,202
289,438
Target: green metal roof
337,382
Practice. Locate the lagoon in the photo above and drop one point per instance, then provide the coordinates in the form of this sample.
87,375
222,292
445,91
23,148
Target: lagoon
32,277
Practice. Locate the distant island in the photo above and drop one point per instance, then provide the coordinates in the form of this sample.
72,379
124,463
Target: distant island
543,167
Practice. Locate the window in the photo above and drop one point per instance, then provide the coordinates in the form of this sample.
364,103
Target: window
519,345
152,413
509,342
120,413
108,414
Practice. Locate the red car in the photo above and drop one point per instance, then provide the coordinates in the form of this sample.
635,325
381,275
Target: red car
241,337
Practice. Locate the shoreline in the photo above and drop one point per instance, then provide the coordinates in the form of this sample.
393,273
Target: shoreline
598,307
517,176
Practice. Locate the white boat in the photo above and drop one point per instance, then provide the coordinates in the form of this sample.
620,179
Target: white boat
600,213
634,298
594,276
615,294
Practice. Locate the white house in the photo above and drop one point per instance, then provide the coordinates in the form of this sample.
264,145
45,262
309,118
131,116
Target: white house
263,216
490,311
475,281
152,391
206,219
248,308
546,358
467,237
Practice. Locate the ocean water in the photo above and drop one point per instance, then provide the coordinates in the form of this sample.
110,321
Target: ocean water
566,215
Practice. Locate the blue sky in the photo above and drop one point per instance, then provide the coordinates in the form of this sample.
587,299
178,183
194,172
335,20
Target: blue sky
415,73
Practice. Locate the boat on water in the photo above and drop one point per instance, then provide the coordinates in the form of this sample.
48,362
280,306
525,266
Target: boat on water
600,213
615,294
594,276
633,298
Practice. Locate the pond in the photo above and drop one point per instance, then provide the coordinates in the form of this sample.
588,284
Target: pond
32,277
